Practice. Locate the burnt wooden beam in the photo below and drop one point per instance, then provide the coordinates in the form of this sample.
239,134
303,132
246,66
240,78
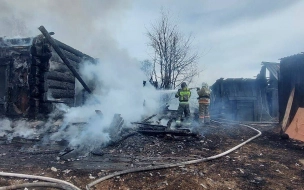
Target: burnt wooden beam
149,125
63,57
55,101
176,132
59,93
69,101
72,57
59,67
59,62
55,84
74,51
75,60
287,111
54,75
148,118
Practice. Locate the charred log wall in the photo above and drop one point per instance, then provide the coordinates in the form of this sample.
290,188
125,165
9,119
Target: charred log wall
57,82
61,81
291,75
41,54
32,76
5,64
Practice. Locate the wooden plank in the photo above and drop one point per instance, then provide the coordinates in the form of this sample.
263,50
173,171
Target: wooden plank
59,67
74,51
59,93
288,108
63,77
55,84
72,57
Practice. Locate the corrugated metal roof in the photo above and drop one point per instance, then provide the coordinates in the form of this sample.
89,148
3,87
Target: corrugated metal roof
273,68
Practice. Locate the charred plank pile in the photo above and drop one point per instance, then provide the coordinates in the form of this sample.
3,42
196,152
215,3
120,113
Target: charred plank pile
149,127
33,76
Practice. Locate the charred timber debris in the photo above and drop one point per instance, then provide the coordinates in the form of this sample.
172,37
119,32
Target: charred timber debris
148,127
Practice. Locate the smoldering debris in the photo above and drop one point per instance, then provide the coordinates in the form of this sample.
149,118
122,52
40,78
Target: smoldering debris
82,137
18,128
5,127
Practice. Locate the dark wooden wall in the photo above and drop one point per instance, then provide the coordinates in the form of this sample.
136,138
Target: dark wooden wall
291,75
239,99
15,61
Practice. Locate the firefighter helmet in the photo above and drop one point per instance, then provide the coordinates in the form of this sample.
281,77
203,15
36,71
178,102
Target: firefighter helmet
204,84
183,85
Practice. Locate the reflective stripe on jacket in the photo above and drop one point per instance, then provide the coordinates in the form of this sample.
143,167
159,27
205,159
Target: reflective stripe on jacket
205,101
183,95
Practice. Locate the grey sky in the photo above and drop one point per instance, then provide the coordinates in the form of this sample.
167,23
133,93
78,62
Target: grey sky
232,36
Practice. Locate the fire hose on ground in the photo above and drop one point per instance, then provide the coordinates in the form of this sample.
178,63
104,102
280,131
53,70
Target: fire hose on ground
38,184
66,185
54,182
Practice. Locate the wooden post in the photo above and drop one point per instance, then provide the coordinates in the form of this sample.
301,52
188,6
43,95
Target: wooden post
63,57
288,108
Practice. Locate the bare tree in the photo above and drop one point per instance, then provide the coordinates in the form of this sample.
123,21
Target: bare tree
173,60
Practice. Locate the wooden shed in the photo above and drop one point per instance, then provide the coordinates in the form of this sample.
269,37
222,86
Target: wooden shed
33,77
244,99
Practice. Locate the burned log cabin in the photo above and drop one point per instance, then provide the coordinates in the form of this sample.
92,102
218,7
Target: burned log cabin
291,77
247,99
33,77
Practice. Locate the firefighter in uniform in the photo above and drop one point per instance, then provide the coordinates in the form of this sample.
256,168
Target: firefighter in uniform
204,102
183,96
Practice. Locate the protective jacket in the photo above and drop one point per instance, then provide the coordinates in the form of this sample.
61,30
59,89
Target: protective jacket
204,95
183,95
204,102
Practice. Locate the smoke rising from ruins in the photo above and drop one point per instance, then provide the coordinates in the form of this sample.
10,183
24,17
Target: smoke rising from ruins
88,26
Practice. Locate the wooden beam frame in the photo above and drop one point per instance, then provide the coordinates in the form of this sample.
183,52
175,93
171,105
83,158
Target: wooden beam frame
287,111
63,57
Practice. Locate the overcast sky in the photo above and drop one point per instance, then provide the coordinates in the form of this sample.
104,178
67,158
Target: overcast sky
232,37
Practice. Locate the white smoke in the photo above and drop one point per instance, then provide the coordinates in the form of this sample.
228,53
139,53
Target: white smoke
118,90
20,128
85,25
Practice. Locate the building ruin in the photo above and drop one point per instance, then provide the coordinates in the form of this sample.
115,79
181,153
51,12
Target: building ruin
33,77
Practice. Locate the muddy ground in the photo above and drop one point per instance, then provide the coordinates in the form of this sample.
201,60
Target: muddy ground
267,162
